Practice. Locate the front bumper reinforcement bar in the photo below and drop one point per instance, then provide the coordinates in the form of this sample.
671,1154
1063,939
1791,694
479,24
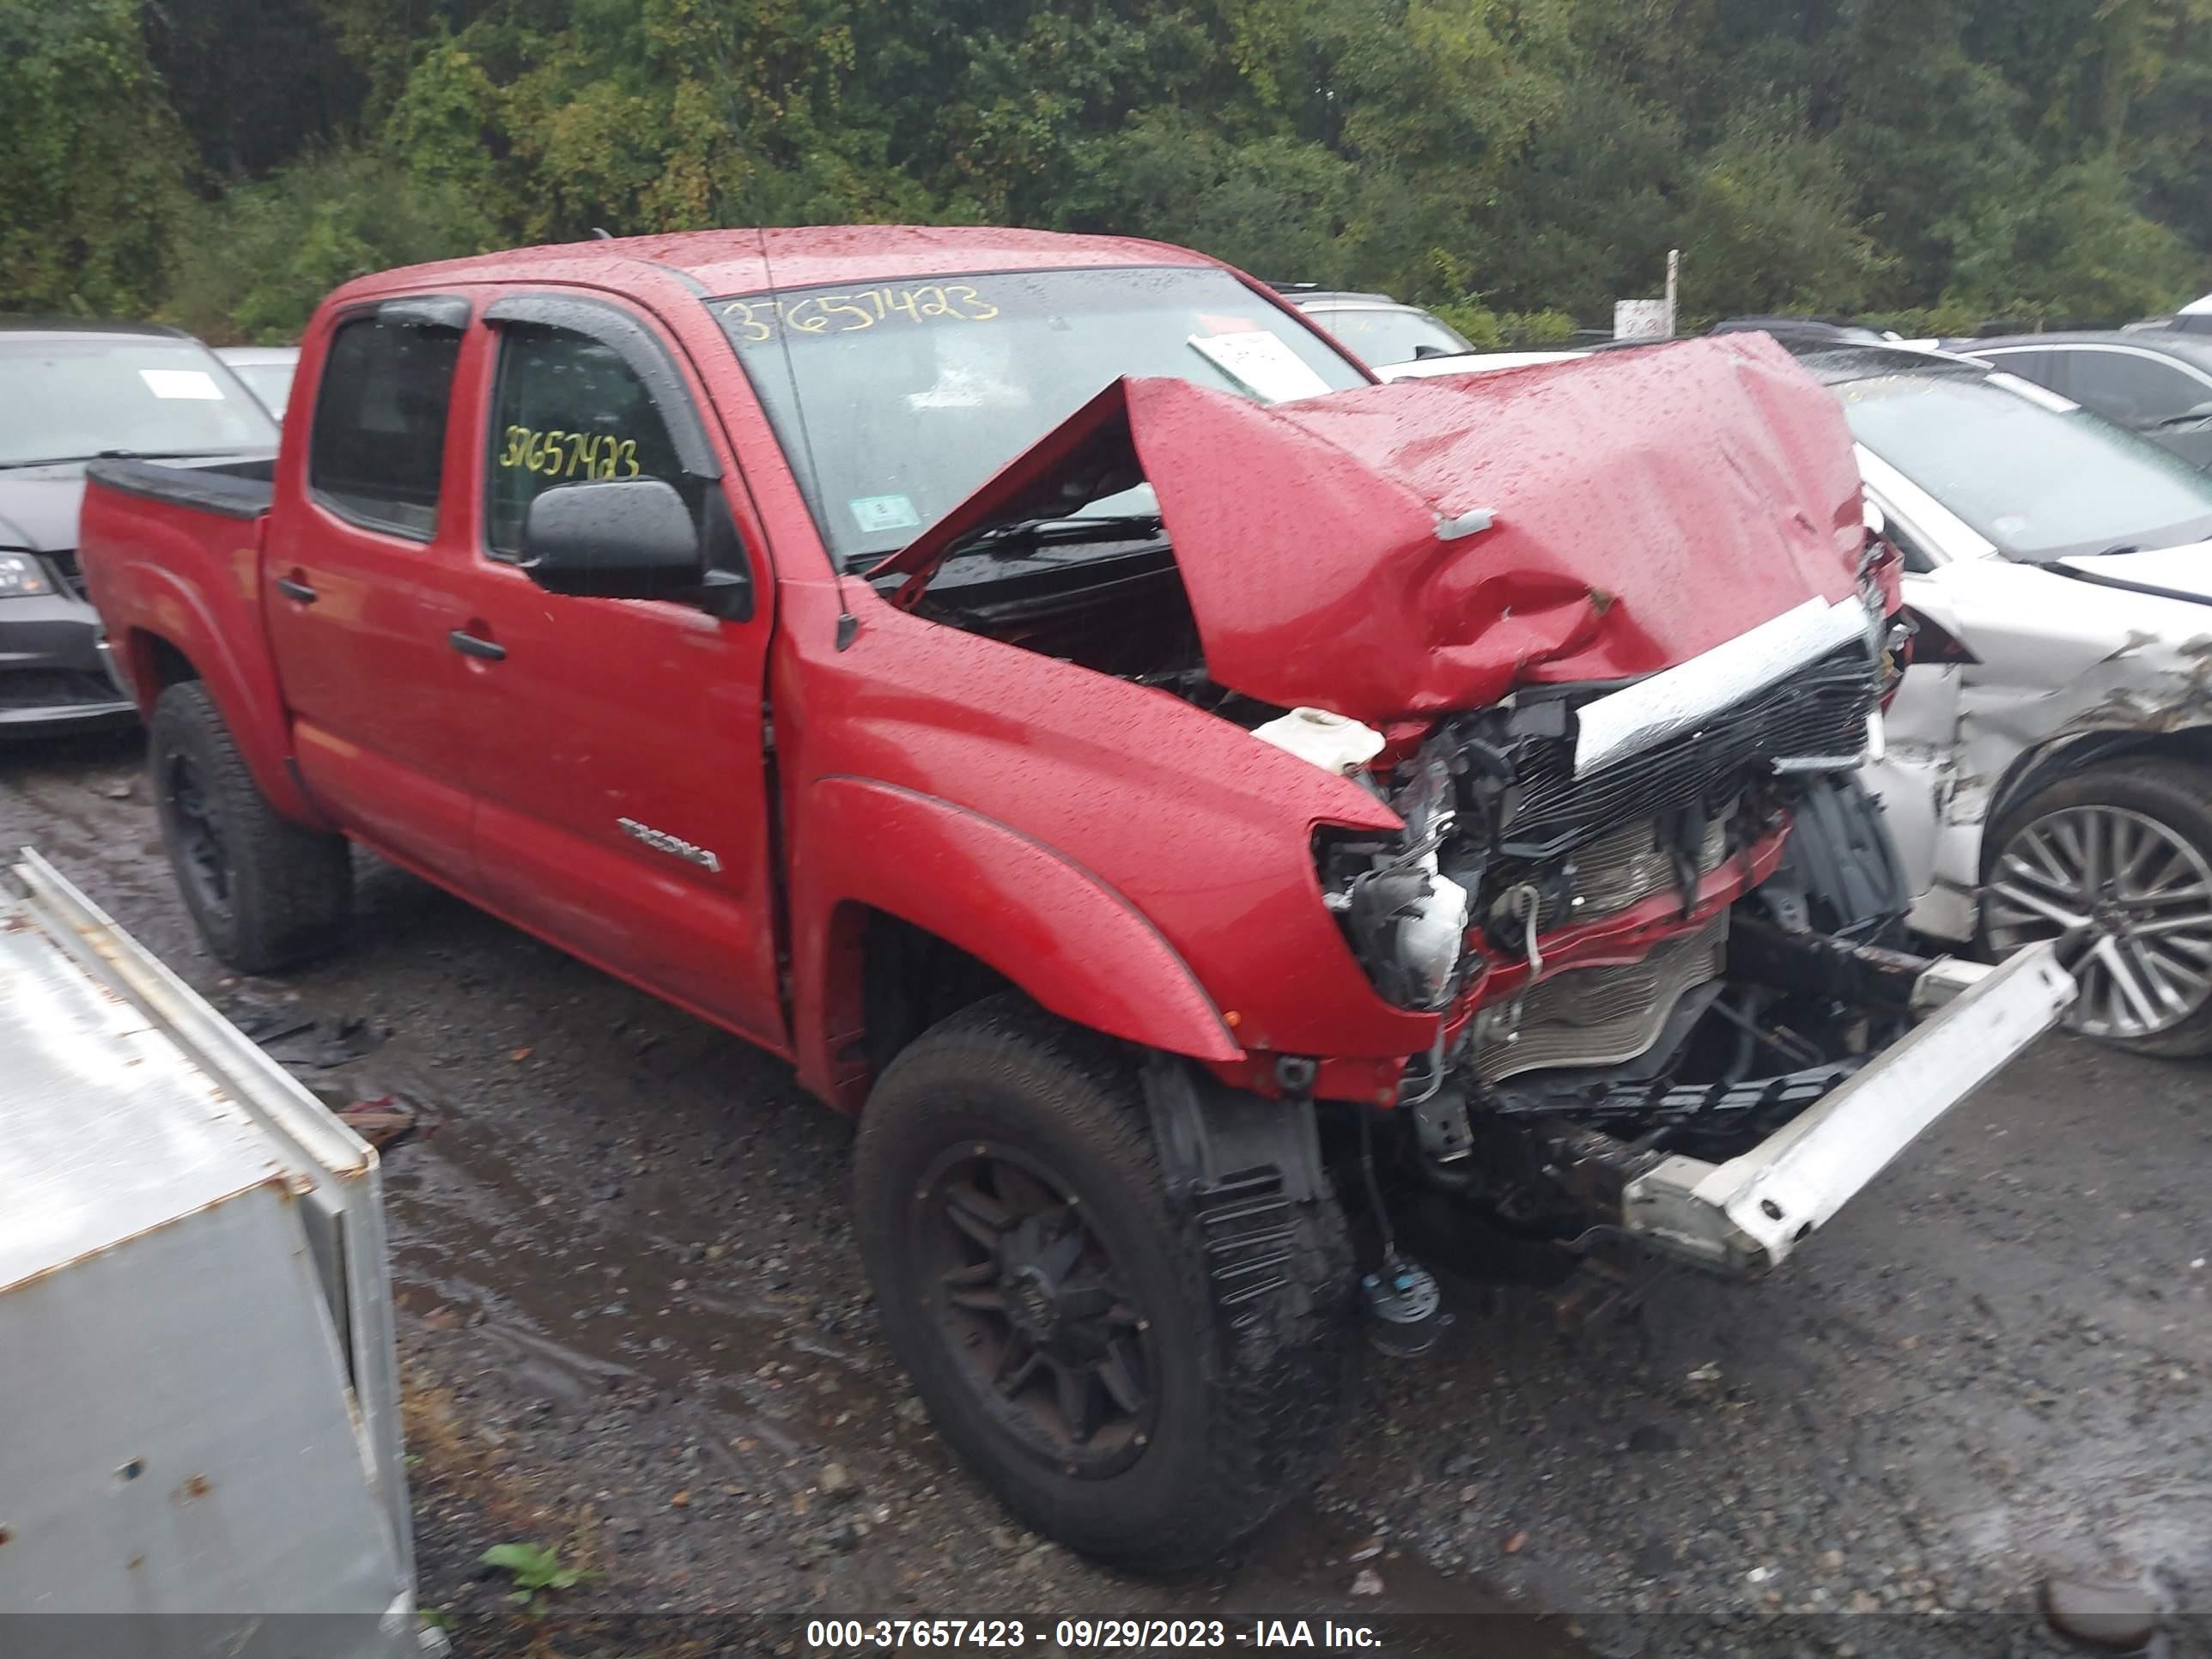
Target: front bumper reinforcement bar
1744,1217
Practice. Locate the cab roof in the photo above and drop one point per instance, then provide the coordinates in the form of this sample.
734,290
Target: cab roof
718,262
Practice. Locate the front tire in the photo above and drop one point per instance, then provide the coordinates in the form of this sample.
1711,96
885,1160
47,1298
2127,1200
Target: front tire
2115,866
266,893
1052,1305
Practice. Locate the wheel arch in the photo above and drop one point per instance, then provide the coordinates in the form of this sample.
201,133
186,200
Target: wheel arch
2036,769
171,637
976,901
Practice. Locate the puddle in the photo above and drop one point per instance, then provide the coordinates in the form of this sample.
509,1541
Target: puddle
585,1310
1303,1563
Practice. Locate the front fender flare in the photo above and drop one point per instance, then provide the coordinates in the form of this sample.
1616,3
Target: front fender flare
1055,929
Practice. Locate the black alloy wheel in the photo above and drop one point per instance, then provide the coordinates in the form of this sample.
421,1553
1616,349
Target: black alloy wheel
194,833
1040,1325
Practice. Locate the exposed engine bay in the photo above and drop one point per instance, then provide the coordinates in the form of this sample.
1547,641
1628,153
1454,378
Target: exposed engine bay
1705,1030
1123,613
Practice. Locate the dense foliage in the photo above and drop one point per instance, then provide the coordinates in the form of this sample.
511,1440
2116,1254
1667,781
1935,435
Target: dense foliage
1521,163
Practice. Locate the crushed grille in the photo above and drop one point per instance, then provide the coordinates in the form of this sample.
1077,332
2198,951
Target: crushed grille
1822,709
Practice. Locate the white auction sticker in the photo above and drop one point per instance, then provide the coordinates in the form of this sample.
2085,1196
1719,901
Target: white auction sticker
1262,363
194,383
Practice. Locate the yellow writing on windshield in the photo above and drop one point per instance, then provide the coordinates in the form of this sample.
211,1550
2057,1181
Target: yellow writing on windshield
756,320
558,454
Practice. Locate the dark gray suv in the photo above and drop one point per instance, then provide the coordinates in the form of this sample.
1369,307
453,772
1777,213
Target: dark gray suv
75,390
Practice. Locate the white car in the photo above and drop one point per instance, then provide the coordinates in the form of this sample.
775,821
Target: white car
1400,342
2048,763
1381,331
266,370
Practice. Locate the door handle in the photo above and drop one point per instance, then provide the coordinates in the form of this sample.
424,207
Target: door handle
292,588
470,646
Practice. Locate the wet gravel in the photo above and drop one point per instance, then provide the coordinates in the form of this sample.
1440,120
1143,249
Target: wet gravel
634,1328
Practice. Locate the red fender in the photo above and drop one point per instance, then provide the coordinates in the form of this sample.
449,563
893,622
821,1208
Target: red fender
1051,926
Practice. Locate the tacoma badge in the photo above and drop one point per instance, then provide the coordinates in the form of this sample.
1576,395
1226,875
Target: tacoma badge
661,841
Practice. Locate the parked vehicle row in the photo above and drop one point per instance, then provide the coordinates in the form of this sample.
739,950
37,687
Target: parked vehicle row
1184,796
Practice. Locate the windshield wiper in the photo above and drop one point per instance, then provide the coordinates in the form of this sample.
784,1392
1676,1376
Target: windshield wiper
1021,535
45,460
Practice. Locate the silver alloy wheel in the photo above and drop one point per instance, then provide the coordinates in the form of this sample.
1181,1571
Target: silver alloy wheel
2129,901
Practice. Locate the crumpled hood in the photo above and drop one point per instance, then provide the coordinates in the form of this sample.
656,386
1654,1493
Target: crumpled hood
1641,507
38,514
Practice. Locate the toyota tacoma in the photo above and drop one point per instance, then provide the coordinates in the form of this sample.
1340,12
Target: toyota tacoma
1190,801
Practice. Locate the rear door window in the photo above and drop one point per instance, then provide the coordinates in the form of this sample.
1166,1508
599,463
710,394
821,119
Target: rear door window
378,450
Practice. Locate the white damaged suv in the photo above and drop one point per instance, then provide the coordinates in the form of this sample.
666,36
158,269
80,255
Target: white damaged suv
2048,766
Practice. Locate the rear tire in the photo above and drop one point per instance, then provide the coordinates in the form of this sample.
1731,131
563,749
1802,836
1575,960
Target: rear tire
1194,1430
2121,847
265,893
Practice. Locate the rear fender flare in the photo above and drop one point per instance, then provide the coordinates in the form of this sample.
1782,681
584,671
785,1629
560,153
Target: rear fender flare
1054,929
243,684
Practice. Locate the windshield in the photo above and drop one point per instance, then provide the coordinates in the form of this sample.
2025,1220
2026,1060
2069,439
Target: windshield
1388,337
897,400
70,397
2038,480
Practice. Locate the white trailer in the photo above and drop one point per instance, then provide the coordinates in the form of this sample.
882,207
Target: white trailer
199,1409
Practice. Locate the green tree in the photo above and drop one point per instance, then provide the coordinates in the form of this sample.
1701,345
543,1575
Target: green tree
253,264
93,157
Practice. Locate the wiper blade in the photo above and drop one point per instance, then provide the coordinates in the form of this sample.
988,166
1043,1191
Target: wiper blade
1020,535
45,460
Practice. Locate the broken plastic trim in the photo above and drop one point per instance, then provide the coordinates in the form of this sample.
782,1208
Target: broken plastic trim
1644,715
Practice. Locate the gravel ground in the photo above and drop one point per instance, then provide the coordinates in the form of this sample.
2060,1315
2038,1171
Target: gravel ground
634,1327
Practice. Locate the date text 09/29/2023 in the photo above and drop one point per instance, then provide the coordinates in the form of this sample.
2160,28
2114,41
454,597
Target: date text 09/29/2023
1069,1635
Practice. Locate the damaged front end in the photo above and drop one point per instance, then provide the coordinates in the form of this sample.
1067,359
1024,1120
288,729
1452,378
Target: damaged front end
1673,1019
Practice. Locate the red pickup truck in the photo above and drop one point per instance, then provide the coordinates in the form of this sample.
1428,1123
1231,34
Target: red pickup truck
1199,806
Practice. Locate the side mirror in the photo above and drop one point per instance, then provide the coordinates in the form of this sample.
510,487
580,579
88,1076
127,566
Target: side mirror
628,539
